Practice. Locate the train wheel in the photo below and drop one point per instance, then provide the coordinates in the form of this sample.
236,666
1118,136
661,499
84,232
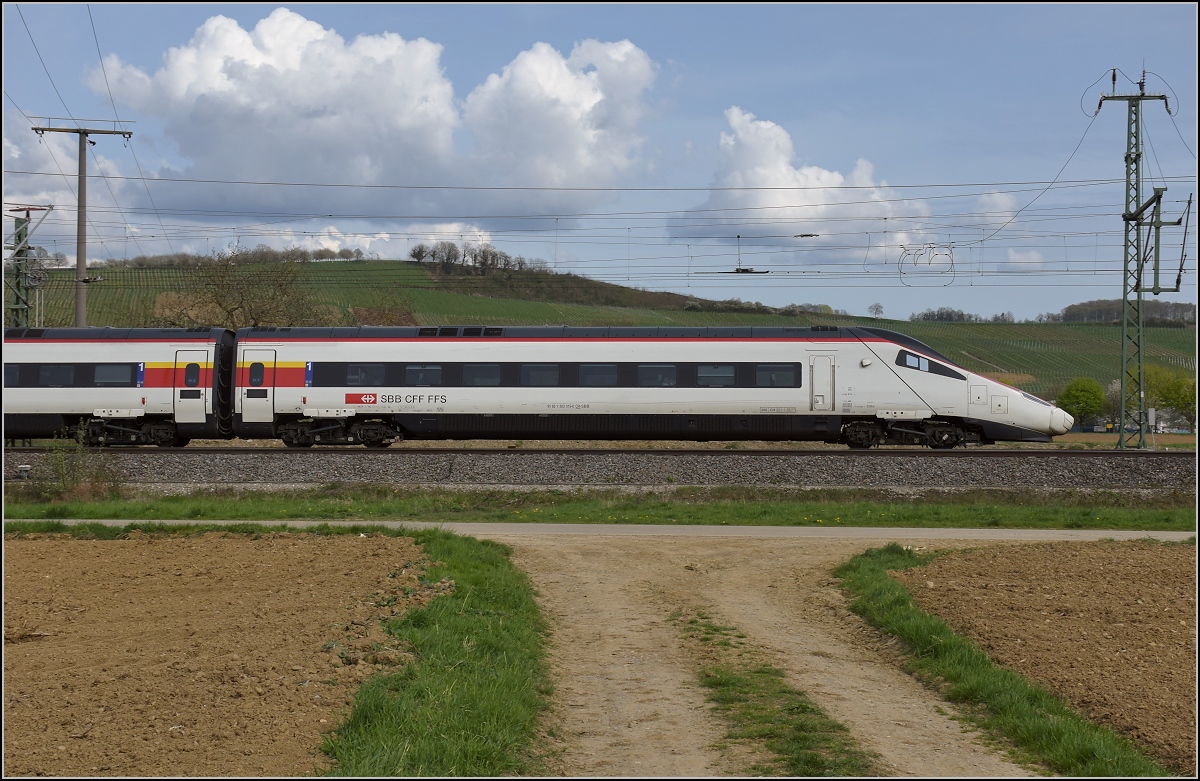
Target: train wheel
944,437
290,443
176,442
861,436
377,443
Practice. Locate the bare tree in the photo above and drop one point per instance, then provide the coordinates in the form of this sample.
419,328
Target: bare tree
236,290
446,254
876,310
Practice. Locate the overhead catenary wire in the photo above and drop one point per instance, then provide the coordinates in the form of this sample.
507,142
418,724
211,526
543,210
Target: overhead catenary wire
708,225
117,115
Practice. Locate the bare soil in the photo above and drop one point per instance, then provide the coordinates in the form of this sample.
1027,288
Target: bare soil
226,655
218,655
1108,627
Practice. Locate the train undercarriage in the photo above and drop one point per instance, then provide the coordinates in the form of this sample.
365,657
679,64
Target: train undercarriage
856,433
936,434
370,433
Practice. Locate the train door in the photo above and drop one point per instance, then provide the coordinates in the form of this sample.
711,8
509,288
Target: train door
257,375
191,380
820,376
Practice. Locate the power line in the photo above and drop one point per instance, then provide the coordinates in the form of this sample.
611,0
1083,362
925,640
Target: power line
526,188
117,115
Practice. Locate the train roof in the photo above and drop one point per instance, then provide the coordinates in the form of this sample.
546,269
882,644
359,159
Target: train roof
108,332
593,332
905,341
544,332
489,331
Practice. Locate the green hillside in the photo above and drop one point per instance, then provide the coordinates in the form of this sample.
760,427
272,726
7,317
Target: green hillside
1040,358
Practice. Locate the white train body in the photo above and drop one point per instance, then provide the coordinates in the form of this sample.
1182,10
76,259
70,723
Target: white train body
375,386
117,385
860,386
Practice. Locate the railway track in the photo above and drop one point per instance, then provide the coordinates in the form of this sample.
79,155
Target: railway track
1013,470
885,452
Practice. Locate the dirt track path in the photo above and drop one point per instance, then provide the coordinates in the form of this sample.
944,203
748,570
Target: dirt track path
200,656
627,702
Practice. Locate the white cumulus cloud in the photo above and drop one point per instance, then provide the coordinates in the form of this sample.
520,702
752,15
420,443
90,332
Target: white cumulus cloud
567,121
760,191
291,101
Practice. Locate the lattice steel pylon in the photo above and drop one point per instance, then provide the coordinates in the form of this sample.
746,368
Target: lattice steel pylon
18,277
1131,426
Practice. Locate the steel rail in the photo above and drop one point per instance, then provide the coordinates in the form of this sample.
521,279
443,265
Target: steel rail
897,452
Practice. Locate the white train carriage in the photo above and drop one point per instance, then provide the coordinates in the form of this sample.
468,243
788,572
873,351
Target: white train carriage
118,386
859,386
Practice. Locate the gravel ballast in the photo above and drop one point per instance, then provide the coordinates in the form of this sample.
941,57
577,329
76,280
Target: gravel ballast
515,468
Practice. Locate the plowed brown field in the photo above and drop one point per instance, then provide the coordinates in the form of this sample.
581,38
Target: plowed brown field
230,655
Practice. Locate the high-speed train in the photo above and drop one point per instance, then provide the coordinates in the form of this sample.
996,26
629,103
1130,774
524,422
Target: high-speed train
374,386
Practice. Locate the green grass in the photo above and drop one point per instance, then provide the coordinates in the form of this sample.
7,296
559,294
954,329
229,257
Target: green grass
760,709
733,506
470,702
1001,703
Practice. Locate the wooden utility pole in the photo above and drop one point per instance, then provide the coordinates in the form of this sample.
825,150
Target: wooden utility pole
81,277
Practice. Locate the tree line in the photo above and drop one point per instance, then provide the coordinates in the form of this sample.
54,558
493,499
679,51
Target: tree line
1168,314
494,272
1171,393
1154,312
947,315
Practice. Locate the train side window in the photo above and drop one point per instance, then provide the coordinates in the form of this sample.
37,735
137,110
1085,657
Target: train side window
481,374
191,375
905,358
364,374
256,374
422,374
56,376
539,374
709,375
775,375
597,375
12,374
911,361
328,375
656,375
114,375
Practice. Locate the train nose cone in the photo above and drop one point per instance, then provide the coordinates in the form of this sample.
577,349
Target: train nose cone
1060,422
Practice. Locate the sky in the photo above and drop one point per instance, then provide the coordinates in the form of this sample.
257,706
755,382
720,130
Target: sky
911,156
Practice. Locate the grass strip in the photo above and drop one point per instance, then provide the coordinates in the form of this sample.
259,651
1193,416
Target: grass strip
732,506
761,709
1001,703
470,703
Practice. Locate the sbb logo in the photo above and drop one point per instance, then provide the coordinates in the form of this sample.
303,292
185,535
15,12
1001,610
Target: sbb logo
361,398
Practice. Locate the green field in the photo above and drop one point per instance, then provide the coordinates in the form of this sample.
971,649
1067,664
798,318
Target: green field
1039,358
